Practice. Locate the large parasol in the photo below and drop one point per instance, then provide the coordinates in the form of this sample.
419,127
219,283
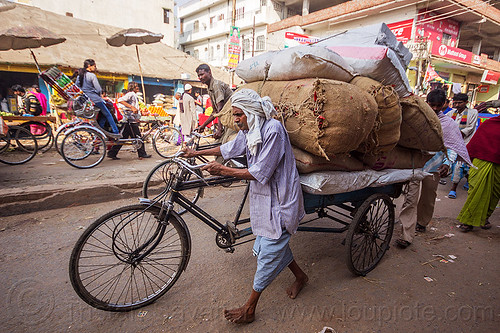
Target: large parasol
28,37
135,37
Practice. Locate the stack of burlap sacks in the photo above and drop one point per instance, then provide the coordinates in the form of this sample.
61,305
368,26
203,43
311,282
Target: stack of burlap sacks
349,124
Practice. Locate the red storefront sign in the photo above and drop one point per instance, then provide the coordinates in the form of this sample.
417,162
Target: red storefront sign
402,30
490,77
455,53
433,27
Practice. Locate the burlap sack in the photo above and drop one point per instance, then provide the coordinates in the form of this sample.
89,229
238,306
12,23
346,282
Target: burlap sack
307,163
323,117
398,158
421,128
386,131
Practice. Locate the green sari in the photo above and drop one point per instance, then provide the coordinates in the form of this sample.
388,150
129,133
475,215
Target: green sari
484,193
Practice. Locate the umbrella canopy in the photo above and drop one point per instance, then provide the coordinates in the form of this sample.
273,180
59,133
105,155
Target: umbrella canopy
27,37
134,36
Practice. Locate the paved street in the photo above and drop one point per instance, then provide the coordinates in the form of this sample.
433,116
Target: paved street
38,297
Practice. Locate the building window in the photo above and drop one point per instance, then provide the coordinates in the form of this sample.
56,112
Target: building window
212,21
446,39
196,54
263,3
225,50
206,53
218,51
246,45
261,43
166,15
290,12
221,17
196,26
240,13
181,26
211,55
277,6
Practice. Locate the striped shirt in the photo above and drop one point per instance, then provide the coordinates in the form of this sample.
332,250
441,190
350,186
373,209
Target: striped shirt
275,196
439,159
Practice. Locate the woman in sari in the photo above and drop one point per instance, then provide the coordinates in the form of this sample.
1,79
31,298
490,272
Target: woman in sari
484,182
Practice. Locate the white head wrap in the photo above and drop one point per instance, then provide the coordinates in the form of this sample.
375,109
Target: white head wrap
257,110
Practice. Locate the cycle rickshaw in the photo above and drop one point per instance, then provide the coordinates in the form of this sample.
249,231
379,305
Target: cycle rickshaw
131,256
85,142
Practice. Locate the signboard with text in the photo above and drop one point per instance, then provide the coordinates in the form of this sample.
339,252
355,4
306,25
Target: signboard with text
402,30
490,77
434,28
454,53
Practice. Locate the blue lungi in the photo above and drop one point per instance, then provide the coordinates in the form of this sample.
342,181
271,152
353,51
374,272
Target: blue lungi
273,255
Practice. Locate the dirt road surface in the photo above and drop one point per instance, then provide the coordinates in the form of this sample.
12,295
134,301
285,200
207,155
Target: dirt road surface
463,295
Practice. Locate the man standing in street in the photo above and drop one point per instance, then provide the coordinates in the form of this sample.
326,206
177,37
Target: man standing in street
418,206
219,93
276,203
188,116
467,120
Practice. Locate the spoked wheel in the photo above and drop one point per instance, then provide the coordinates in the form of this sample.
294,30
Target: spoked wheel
83,148
18,146
106,269
60,134
370,233
161,177
43,134
167,141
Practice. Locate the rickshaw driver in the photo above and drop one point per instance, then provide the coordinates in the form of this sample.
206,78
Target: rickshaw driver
276,203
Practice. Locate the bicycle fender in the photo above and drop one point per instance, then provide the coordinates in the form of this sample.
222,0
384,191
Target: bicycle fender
87,127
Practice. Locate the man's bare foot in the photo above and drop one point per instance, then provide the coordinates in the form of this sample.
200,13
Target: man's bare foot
241,315
297,286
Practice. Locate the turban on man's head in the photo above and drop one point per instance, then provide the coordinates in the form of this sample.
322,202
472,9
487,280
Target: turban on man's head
257,110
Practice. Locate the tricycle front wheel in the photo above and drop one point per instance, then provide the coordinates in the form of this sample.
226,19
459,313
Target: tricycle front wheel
370,233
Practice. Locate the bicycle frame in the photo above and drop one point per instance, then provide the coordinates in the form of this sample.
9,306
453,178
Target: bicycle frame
226,235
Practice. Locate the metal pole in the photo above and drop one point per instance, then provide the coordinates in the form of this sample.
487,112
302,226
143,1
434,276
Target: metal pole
140,70
253,36
233,23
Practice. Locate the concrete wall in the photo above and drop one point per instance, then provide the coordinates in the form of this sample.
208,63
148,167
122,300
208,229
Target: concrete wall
146,14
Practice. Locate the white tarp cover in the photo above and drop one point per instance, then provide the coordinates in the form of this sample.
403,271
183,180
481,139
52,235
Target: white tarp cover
333,182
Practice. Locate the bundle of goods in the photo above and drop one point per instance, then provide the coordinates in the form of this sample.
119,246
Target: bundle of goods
295,63
386,132
159,99
323,117
374,51
307,163
421,128
397,158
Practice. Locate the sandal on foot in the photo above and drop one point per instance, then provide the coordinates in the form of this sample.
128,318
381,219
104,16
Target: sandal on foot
401,243
465,228
419,228
486,226
452,195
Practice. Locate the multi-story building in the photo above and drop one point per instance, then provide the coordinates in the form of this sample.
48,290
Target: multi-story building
205,27
153,15
459,38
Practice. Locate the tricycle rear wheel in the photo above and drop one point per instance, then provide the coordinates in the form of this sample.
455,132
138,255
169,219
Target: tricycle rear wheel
370,233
